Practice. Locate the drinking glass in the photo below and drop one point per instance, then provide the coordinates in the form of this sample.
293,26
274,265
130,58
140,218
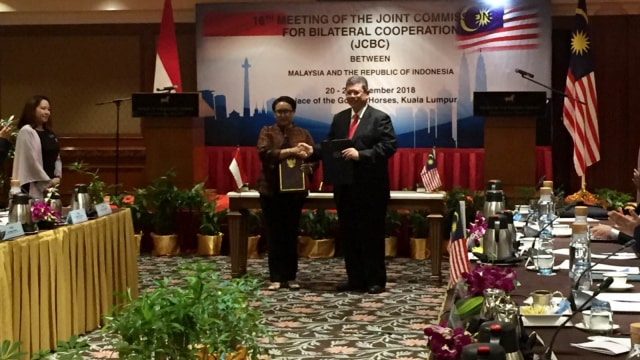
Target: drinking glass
601,319
543,257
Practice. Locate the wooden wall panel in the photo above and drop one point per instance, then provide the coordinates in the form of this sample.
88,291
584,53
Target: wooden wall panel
99,152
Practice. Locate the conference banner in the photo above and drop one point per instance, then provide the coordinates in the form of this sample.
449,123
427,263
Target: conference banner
423,61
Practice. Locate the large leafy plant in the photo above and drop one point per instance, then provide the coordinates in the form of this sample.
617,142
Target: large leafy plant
317,223
613,199
163,199
419,223
392,222
199,311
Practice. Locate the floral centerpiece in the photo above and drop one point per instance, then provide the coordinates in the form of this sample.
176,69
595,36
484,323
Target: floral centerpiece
471,287
44,215
476,231
446,343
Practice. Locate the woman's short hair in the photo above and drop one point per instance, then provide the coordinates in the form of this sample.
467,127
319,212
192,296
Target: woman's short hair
288,99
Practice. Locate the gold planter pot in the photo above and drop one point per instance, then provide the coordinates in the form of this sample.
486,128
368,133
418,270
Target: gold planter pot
391,246
315,249
138,239
209,245
252,247
165,245
419,249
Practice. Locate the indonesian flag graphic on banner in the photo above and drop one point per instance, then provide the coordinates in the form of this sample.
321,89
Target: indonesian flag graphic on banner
239,175
167,62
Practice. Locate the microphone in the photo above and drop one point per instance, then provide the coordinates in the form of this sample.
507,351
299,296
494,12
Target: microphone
549,349
167,88
573,299
524,73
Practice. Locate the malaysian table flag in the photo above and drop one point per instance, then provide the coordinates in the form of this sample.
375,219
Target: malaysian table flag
580,111
458,256
429,173
483,28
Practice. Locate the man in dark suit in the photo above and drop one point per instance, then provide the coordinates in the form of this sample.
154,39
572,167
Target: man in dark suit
362,205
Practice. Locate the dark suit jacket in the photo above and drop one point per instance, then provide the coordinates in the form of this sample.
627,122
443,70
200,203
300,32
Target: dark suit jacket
375,140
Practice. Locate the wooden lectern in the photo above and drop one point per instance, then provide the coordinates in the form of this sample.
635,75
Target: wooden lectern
510,135
173,136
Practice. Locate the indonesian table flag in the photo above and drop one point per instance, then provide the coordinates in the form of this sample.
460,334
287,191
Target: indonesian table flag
237,171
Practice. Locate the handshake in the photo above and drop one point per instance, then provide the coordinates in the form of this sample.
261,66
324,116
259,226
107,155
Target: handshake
301,151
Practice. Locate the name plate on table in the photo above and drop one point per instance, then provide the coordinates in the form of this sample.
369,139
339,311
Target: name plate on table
103,209
77,216
12,230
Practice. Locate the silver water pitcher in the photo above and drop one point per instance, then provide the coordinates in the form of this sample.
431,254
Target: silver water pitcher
20,211
80,198
493,203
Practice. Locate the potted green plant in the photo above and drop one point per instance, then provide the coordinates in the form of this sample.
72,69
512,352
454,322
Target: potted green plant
420,231
209,234
315,227
206,314
164,199
391,225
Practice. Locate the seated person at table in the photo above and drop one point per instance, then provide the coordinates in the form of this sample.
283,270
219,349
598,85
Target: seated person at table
628,224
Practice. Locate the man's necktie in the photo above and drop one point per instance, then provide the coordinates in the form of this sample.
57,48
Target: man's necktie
354,125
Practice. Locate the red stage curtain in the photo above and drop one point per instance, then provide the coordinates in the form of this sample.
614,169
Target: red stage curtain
457,167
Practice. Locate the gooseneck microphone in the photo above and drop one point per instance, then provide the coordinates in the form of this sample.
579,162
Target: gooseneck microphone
573,300
524,73
548,351
167,88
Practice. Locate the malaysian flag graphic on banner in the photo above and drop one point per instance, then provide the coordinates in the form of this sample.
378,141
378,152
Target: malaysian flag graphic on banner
458,256
580,111
499,28
429,173
167,64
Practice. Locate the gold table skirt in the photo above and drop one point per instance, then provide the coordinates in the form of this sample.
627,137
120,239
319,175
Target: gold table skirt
60,282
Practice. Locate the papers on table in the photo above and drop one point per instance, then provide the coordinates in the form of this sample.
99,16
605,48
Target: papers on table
606,345
620,302
618,256
600,267
570,220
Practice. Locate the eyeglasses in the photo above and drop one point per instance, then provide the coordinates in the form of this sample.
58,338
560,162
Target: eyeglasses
284,112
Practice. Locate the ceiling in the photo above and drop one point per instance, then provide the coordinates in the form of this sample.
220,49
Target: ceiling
36,12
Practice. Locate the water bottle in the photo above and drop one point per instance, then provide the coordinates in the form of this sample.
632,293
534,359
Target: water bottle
543,256
545,196
579,257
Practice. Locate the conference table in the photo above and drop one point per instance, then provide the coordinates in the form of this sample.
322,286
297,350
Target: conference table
241,202
531,281
57,283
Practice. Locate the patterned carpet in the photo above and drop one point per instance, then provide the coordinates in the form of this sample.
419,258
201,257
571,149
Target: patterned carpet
316,322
